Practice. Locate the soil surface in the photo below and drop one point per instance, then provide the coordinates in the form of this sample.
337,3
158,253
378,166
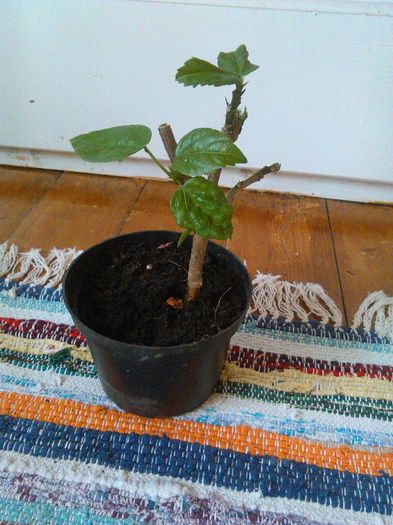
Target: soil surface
135,296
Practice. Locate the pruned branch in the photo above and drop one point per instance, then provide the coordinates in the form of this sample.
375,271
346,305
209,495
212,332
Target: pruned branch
168,140
255,177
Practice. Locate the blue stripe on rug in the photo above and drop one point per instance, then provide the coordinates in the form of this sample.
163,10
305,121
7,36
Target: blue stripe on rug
199,463
317,329
30,291
27,303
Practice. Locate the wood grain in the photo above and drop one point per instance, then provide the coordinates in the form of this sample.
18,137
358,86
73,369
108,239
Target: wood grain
20,191
299,238
363,239
152,212
78,211
286,235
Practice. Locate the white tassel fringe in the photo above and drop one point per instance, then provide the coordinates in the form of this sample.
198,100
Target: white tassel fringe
277,298
8,256
32,267
271,296
376,313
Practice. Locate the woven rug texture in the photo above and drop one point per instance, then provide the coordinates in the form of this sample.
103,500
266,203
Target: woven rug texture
299,430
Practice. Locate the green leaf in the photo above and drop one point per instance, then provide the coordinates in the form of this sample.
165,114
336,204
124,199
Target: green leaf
203,150
197,72
109,144
183,237
200,206
236,62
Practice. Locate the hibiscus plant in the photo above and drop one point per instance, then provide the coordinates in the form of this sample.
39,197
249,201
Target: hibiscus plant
200,207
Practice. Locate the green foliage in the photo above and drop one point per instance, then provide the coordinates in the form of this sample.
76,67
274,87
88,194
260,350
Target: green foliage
111,143
237,62
203,150
200,206
231,69
197,72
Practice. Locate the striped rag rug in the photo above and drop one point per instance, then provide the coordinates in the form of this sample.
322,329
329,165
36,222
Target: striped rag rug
299,430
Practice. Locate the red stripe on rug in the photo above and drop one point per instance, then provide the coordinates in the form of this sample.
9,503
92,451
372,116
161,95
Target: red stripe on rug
39,329
243,357
266,362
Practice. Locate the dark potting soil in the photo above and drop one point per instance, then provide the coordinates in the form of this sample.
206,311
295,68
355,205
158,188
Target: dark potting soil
126,297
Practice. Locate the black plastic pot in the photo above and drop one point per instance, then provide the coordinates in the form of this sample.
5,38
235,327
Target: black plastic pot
153,381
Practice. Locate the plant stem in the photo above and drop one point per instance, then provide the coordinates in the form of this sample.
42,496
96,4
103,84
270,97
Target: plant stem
234,121
215,176
194,277
195,268
255,177
161,166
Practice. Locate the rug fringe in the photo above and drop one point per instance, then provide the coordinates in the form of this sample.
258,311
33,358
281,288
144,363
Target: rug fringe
271,296
8,256
32,267
376,313
293,300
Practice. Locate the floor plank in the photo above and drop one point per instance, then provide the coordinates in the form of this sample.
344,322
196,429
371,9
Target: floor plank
152,212
363,239
78,211
286,235
341,245
20,191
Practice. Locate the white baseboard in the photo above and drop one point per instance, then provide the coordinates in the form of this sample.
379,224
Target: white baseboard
315,185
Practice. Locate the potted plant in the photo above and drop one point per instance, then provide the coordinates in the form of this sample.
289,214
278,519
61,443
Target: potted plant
158,308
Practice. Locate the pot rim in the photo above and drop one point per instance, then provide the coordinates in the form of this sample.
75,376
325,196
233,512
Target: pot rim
123,345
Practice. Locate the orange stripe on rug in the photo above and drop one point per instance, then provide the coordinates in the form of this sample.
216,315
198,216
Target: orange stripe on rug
242,439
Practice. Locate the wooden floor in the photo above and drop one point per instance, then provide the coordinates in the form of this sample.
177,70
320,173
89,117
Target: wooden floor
346,247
